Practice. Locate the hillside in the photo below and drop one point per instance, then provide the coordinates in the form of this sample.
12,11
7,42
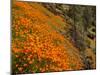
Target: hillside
40,42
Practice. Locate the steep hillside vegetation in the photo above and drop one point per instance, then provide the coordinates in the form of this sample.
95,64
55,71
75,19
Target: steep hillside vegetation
42,41
82,32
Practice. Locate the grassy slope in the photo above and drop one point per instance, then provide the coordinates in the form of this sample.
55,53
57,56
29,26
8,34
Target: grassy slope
36,29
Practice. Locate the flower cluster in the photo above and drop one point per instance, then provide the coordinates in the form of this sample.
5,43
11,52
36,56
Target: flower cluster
37,45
